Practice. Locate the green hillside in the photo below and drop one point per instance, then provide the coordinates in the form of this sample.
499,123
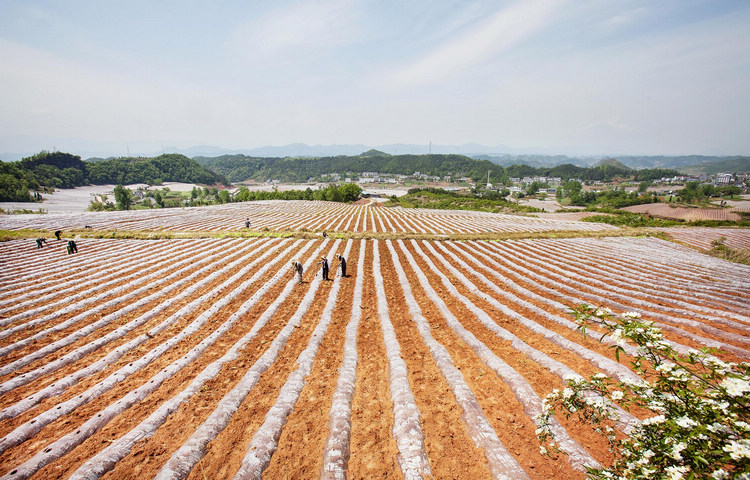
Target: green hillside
47,170
239,168
730,165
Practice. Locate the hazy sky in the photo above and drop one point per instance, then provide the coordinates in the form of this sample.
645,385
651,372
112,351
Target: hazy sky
616,76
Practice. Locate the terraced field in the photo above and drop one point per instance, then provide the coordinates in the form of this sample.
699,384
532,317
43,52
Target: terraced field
701,238
205,358
664,210
284,216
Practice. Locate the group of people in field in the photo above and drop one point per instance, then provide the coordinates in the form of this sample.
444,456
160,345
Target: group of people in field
71,246
297,268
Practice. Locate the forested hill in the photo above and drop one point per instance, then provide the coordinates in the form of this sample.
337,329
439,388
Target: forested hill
239,168
170,167
735,164
64,170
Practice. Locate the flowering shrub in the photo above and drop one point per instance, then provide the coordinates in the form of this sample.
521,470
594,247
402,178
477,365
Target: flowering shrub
700,427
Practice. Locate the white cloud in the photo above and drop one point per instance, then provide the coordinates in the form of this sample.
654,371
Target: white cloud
51,95
624,19
292,31
479,42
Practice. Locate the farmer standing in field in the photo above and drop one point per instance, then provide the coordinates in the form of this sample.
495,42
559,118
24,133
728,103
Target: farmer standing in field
58,233
297,268
72,247
342,262
247,223
324,263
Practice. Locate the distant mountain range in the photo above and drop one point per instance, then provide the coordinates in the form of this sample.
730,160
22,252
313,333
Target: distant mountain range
692,164
499,154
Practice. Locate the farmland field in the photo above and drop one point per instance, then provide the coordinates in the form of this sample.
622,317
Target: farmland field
284,216
663,210
205,358
701,238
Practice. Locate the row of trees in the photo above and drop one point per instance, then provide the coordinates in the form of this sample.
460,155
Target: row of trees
614,198
346,193
604,172
487,201
164,198
696,193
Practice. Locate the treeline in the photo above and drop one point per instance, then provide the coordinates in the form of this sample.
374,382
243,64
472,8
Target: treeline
19,181
437,198
238,168
696,193
126,199
604,173
346,193
614,198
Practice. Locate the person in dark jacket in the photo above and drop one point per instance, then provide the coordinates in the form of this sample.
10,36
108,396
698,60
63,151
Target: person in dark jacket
297,269
342,262
57,234
324,267
72,247
40,242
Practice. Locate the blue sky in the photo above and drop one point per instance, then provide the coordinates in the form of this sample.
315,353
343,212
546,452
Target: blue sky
608,77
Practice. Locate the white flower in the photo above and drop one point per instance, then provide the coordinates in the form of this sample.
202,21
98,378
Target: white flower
647,472
654,420
657,406
720,474
572,377
716,427
543,450
738,449
686,422
617,337
717,364
676,449
648,453
567,393
675,473
631,315
735,387
664,367
617,395
601,312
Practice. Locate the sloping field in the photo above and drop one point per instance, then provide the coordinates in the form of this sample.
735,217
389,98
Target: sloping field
702,237
295,215
664,210
204,358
